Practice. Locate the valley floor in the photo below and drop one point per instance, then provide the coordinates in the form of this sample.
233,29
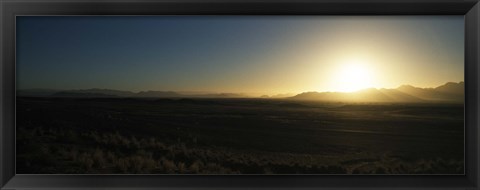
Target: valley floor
236,136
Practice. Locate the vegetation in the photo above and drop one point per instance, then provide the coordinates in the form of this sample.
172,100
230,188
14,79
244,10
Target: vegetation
189,136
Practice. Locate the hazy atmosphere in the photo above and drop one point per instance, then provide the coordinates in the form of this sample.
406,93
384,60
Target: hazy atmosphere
240,95
239,54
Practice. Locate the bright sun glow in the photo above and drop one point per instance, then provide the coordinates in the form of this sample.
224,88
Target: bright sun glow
352,76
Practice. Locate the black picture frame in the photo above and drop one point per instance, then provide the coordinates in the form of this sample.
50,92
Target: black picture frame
9,9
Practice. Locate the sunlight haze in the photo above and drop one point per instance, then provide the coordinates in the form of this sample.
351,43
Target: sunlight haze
239,54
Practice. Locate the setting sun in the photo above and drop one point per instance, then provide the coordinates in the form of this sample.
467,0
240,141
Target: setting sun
238,95
352,76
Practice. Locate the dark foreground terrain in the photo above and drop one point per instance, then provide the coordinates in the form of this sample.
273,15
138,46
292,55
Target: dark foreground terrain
236,136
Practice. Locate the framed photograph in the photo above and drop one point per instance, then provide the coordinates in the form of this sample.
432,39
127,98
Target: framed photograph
239,95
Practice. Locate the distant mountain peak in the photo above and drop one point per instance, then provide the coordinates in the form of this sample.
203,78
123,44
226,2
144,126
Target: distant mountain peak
406,86
451,84
450,92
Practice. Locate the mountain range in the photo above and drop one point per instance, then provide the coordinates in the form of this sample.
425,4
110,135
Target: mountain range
100,93
449,92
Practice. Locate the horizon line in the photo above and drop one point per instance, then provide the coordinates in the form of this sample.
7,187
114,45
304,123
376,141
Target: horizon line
206,92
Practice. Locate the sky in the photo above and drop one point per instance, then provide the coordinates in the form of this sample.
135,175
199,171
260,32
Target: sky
238,54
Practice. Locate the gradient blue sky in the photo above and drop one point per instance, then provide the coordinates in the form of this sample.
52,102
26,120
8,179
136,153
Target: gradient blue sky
249,54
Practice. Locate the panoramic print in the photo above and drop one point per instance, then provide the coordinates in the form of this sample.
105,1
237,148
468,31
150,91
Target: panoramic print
240,95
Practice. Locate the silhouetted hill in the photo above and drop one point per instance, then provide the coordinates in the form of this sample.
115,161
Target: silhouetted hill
425,93
37,92
452,88
96,92
157,94
449,92
399,96
102,91
221,95
82,95
366,95
286,95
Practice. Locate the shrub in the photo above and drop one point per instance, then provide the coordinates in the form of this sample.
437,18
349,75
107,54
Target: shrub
98,158
181,167
110,157
169,166
73,154
149,164
196,166
122,165
86,161
137,164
